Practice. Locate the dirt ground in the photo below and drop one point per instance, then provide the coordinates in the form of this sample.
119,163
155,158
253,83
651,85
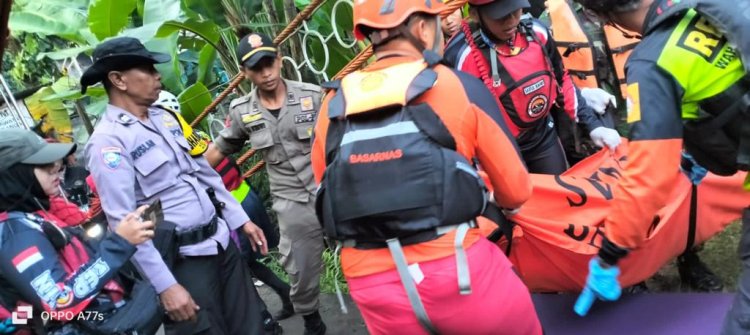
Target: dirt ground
336,321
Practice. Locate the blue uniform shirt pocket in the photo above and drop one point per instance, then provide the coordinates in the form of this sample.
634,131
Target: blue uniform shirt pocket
153,175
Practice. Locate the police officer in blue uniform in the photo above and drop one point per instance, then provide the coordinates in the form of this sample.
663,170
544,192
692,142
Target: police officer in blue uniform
138,154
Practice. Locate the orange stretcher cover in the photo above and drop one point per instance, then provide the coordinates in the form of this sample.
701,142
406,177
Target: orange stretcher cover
560,228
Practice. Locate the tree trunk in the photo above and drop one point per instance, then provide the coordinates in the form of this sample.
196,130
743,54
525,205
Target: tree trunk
84,117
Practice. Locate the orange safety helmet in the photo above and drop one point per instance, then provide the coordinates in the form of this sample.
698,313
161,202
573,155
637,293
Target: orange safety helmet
386,14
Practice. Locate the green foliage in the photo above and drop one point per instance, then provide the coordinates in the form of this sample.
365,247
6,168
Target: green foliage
272,262
158,11
239,12
322,22
64,53
48,17
171,72
108,17
96,106
22,69
74,93
53,115
206,30
193,100
140,6
205,9
331,271
206,61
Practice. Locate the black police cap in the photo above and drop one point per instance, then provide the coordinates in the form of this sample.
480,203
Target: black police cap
254,47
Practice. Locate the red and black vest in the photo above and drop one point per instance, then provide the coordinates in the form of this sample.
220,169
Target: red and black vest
524,83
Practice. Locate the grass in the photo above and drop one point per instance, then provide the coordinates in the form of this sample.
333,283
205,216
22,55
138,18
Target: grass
719,253
331,271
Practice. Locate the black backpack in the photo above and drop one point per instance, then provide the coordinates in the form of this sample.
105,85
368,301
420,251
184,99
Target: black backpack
392,167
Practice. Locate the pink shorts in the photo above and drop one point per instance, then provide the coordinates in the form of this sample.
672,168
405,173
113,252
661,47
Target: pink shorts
498,304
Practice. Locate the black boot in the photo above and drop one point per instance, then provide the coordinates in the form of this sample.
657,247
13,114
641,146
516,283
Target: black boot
636,289
314,324
271,326
696,275
287,309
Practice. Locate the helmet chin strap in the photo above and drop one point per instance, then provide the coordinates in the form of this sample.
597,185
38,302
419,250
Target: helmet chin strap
620,29
438,36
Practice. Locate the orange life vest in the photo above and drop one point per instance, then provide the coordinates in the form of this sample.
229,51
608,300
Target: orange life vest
584,62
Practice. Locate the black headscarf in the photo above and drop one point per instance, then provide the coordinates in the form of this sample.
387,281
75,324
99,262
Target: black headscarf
21,191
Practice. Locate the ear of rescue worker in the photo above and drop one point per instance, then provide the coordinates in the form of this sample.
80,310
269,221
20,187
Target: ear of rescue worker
429,32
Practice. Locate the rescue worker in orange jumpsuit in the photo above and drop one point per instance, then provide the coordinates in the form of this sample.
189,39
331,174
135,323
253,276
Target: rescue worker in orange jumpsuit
595,54
684,93
518,61
393,150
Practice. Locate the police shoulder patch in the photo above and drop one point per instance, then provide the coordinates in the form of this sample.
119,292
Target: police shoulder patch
112,157
240,101
634,103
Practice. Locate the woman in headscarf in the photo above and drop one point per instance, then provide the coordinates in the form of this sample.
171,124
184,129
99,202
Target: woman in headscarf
42,265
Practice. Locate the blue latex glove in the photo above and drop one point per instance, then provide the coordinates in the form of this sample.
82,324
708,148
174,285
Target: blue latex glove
7,327
601,283
692,169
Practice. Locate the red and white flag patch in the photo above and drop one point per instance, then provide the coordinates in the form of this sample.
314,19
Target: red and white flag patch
27,258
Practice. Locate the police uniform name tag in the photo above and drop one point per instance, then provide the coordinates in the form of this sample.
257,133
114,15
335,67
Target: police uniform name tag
142,149
304,118
259,126
247,118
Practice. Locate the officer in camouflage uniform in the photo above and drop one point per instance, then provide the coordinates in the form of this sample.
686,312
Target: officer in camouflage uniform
607,77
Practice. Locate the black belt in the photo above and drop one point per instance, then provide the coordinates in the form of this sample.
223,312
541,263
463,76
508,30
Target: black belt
197,234
419,237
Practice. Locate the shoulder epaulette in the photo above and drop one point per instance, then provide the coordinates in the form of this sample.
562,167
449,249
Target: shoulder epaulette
307,86
240,101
